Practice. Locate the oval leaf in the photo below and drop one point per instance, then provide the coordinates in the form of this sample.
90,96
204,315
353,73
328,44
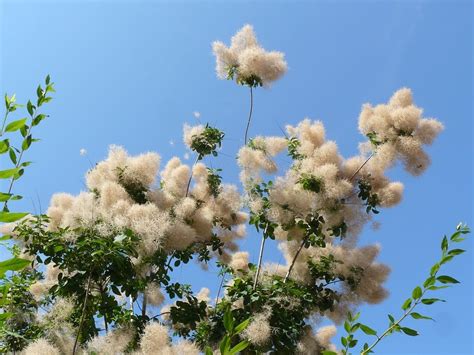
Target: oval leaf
8,217
367,330
416,315
416,293
445,279
15,125
409,331
6,174
13,264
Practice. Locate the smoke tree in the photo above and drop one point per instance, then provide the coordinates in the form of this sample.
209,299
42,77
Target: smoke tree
101,262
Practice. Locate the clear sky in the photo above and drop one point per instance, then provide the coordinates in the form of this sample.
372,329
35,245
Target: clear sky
132,72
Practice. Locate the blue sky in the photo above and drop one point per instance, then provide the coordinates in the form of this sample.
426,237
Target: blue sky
132,72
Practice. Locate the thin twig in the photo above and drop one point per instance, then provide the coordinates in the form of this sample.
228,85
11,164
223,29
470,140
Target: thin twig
260,256
250,115
144,304
191,175
81,322
294,260
158,315
360,167
102,294
219,291
389,329
4,121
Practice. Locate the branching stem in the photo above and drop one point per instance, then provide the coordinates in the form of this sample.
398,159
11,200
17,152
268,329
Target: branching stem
17,165
81,322
287,276
395,324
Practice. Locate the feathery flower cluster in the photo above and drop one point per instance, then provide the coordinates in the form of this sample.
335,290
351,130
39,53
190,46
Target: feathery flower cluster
401,131
312,343
122,196
155,340
259,331
336,193
245,60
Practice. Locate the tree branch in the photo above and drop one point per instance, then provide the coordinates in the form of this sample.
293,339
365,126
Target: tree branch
294,260
250,115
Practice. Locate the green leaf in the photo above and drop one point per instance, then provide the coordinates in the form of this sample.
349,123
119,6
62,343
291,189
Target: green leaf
416,292
8,217
434,269
12,156
347,326
431,300
228,321
344,341
409,331
224,345
26,143
456,251
4,197
208,351
30,107
367,330
429,281
406,304
239,347
328,352
15,125
416,315
435,288
242,326
5,316
4,146
13,264
6,174
36,121
444,244
447,279
446,258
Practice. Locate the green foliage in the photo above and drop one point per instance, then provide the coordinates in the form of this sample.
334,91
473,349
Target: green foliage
374,140
417,298
16,302
260,220
365,194
207,142
252,81
311,183
226,346
291,303
214,181
188,311
293,145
